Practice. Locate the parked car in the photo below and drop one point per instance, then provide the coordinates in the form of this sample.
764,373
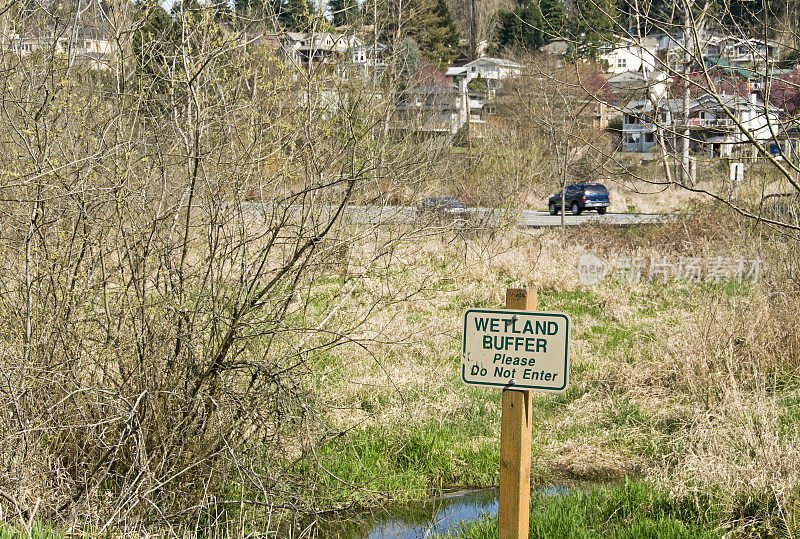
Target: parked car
581,196
442,207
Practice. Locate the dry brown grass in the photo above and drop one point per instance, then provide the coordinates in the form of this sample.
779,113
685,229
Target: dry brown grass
703,381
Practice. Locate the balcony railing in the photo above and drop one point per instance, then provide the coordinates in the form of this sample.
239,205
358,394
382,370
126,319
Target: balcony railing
710,122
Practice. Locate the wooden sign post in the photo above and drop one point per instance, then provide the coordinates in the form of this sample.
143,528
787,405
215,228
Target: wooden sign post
515,443
519,350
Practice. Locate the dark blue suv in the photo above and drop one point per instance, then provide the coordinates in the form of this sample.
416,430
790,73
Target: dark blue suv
581,196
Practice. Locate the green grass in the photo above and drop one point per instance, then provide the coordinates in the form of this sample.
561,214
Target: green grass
602,426
38,530
410,464
632,510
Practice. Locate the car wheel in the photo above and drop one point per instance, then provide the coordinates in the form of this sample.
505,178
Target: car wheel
601,211
553,209
576,210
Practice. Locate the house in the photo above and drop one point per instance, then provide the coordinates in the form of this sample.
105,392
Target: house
640,123
369,60
627,54
743,51
638,85
87,46
557,46
671,50
718,125
477,82
429,109
307,49
430,104
723,125
492,71
732,78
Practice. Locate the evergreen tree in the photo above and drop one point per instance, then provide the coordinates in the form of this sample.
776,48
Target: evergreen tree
442,36
345,12
154,38
553,18
248,8
592,24
409,57
294,15
650,16
291,15
530,25
429,24
521,27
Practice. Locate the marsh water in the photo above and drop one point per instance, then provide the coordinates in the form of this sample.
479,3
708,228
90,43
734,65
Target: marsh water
414,520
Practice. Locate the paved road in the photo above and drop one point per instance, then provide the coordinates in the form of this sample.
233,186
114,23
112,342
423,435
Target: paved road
488,216
533,218
526,218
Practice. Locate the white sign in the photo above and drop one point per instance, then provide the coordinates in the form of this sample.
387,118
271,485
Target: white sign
737,173
515,349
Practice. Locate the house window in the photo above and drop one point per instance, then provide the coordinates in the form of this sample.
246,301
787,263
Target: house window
649,138
622,62
630,119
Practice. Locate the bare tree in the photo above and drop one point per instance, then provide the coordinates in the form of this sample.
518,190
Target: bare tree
166,215
559,103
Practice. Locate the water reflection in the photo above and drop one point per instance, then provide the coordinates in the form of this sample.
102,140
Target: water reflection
414,520
407,521
439,516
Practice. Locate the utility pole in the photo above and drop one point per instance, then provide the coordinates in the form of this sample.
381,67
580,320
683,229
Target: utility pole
473,30
687,66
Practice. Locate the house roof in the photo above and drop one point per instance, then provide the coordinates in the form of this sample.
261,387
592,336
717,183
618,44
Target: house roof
317,37
555,46
65,32
730,102
502,62
642,106
726,66
743,72
627,77
454,71
430,89
369,47
630,40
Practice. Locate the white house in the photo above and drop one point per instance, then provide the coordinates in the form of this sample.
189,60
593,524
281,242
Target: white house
671,50
309,48
630,55
713,131
369,59
492,72
85,46
719,135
